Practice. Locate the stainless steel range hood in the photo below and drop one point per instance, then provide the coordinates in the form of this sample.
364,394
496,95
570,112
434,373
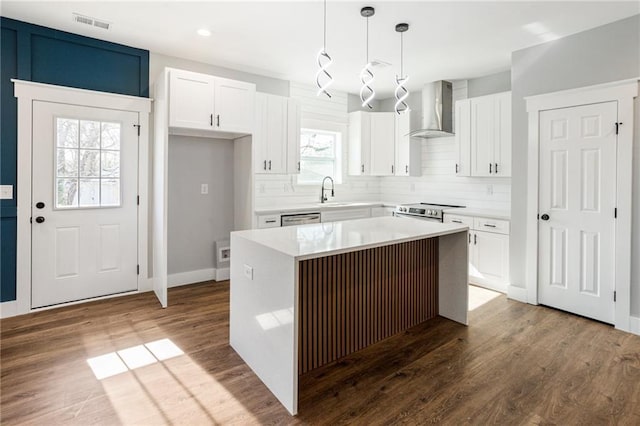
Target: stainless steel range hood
437,111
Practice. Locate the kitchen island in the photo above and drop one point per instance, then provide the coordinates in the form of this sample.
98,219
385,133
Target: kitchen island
305,296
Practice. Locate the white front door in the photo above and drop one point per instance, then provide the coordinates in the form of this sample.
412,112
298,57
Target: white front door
577,201
84,206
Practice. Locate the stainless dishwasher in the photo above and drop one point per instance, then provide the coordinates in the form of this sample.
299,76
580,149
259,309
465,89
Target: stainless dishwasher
299,219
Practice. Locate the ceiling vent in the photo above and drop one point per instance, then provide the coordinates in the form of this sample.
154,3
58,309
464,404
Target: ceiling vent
87,20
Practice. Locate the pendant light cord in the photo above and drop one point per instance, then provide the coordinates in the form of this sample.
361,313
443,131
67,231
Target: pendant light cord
367,39
401,55
324,42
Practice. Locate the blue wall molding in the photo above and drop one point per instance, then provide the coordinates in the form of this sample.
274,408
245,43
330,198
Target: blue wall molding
44,55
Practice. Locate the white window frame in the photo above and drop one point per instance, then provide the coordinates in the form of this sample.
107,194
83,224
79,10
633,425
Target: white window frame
327,126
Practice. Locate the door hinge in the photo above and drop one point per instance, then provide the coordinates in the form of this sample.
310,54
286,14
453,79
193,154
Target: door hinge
618,124
138,269
138,200
138,126
614,296
615,213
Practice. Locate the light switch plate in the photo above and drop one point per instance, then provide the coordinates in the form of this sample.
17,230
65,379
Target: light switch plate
204,189
6,192
248,272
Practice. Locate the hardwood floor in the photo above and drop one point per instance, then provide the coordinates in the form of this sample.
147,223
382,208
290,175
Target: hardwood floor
515,364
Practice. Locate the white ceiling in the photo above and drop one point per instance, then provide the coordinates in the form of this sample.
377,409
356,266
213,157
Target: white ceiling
446,40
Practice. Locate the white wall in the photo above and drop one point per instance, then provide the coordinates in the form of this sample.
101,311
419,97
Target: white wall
196,221
282,190
604,54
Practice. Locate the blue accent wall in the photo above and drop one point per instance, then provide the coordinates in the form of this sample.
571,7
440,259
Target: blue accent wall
34,53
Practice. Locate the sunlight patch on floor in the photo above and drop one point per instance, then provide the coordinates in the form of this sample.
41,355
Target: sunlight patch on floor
478,296
118,362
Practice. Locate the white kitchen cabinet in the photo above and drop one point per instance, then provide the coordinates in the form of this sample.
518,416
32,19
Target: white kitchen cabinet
276,140
344,214
383,134
233,106
463,137
408,151
359,143
491,135
269,221
204,102
191,100
488,250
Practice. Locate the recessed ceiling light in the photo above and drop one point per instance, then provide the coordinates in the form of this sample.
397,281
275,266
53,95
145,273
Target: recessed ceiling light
204,32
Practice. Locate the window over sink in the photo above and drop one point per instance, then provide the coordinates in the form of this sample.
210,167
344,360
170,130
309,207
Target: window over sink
320,156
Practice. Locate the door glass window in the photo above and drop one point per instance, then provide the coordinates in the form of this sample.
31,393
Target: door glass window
87,163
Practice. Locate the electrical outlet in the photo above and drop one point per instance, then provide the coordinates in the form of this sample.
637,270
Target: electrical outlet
248,272
204,188
6,192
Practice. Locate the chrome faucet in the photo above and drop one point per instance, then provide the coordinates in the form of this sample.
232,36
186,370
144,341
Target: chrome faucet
323,197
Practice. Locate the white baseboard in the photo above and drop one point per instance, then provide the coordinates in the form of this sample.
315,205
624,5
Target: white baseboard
634,325
517,293
9,309
198,276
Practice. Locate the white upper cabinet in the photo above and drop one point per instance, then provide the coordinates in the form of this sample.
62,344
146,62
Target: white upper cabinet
359,143
489,136
408,156
191,100
463,137
234,105
276,139
204,102
383,135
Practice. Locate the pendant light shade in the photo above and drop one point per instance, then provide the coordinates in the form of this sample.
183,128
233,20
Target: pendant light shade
323,78
401,93
367,94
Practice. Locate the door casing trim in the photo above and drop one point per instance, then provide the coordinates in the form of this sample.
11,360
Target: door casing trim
623,92
27,92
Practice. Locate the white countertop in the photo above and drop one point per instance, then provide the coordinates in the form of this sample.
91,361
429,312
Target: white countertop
490,213
322,239
316,207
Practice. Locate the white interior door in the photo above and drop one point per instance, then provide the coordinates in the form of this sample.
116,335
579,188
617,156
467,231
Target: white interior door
577,201
84,203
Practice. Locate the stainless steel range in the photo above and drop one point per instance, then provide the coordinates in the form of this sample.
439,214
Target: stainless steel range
424,211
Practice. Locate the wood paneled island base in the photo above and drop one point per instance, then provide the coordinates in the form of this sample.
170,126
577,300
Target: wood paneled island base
349,301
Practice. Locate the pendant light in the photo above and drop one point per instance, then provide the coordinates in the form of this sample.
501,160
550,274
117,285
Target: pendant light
401,92
323,78
366,75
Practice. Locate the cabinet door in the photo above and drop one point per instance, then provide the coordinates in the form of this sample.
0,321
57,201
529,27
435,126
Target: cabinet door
463,138
490,259
359,143
293,136
276,134
259,137
382,143
502,138
191,100
482,133
234,101
346,214
402,144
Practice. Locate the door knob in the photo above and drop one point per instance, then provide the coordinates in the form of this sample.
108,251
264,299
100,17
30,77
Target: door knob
40,205
544,217
39,219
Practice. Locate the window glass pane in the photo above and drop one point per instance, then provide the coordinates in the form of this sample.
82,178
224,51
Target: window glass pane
110,164
89,163
110,192
315,169
67,193
317,144
67,133
67,163
89,134
110,135
89,192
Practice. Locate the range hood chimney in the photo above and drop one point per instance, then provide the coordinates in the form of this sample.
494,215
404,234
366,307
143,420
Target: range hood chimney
437,111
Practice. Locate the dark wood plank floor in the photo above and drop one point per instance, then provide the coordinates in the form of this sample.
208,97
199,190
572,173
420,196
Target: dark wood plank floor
515,364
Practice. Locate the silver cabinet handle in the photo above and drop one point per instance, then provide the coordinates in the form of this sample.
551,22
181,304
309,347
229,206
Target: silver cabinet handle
490,168
392,169
489,226
362,168
457,168
475,239
218,120
265,165
298,166
496,168
269,164
406,169
270,221
456,221
211,120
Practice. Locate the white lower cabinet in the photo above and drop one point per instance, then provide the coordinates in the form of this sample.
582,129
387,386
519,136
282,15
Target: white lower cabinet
269,221
488,250
345,214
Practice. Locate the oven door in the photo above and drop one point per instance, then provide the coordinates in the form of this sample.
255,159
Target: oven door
404,215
